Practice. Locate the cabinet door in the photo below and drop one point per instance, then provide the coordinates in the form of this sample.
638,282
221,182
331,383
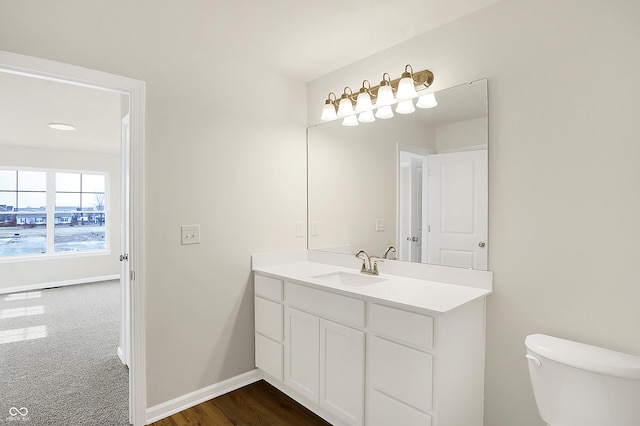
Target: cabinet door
342,371
302,353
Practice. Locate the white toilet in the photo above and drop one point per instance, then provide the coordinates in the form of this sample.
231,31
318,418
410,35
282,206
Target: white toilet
583,385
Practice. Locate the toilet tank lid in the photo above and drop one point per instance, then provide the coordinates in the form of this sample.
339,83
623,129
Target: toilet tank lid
586,357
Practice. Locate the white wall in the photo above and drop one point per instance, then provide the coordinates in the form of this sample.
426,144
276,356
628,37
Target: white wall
563,172
236,169
353,182
27,273
461,135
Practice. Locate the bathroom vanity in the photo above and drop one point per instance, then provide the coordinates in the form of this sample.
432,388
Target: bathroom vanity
403,347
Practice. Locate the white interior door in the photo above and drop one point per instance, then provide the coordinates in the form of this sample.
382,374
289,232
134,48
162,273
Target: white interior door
124,349
416,209
410,192
458,209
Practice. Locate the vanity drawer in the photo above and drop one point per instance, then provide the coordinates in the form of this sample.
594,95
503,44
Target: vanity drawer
269,318
340,308
269,356
268,287
385,411
402,372
405,327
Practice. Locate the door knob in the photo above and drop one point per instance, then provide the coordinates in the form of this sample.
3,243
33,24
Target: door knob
481,244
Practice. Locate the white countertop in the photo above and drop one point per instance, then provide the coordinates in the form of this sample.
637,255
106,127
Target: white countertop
417,293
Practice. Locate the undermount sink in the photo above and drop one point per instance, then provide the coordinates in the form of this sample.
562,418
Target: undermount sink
348,278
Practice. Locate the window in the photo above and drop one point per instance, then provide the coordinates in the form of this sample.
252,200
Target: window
23,212
46,212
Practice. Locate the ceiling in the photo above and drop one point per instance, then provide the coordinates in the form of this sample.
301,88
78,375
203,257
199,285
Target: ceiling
304,39
28,105
312,38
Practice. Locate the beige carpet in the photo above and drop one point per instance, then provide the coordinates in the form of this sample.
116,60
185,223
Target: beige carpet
58,361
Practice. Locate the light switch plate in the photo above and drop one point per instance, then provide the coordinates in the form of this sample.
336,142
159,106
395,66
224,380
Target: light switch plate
299,228
314,228
190,234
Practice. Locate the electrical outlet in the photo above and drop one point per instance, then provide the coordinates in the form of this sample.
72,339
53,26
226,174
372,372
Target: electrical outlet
314,228
379,225
299,228
190,234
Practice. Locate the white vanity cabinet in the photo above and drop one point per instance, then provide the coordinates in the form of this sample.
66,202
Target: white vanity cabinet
324,356
400,385
358,361
425,369
324,361
269,317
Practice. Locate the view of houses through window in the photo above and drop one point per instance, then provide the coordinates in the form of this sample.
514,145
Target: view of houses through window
45,212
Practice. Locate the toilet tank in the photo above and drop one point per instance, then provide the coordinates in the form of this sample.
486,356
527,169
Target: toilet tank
582,385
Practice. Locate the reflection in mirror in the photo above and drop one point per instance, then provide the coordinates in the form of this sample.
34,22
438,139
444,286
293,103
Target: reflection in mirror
417,183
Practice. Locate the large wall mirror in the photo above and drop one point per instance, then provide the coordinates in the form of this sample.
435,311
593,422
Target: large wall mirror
413,186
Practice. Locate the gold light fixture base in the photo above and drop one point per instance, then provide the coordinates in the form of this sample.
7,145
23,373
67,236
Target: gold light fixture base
421,78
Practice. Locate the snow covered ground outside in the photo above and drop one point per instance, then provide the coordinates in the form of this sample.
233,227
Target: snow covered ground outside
23,241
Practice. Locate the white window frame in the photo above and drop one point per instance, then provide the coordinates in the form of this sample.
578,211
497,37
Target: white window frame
51,212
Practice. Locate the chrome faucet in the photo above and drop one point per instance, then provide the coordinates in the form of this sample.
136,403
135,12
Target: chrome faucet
386,253
366,264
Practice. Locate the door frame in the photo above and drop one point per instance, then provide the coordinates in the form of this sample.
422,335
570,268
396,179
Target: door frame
422,154
71,74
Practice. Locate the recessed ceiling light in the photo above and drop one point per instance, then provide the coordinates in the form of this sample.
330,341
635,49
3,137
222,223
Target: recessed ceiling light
61,126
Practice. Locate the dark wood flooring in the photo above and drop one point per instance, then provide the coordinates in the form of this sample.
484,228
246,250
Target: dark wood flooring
258,404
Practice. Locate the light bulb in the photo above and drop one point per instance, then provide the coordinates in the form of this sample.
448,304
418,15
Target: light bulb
345,107
427,101
366,117
405,107
385,96
350,121
363,103
384,112
329,109
406,87
328,112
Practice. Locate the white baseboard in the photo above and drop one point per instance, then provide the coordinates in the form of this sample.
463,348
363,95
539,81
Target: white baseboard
120,353
160,411
40,286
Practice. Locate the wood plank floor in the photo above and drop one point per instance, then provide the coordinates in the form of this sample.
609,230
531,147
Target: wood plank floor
258,404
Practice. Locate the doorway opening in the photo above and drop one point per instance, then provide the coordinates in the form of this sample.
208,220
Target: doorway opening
131,186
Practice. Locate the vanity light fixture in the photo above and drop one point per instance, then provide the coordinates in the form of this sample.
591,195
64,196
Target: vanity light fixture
427,101
384,112
380,98
406,85
330,108
350,121
345,106
385,92
405,107
363,103
366,117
